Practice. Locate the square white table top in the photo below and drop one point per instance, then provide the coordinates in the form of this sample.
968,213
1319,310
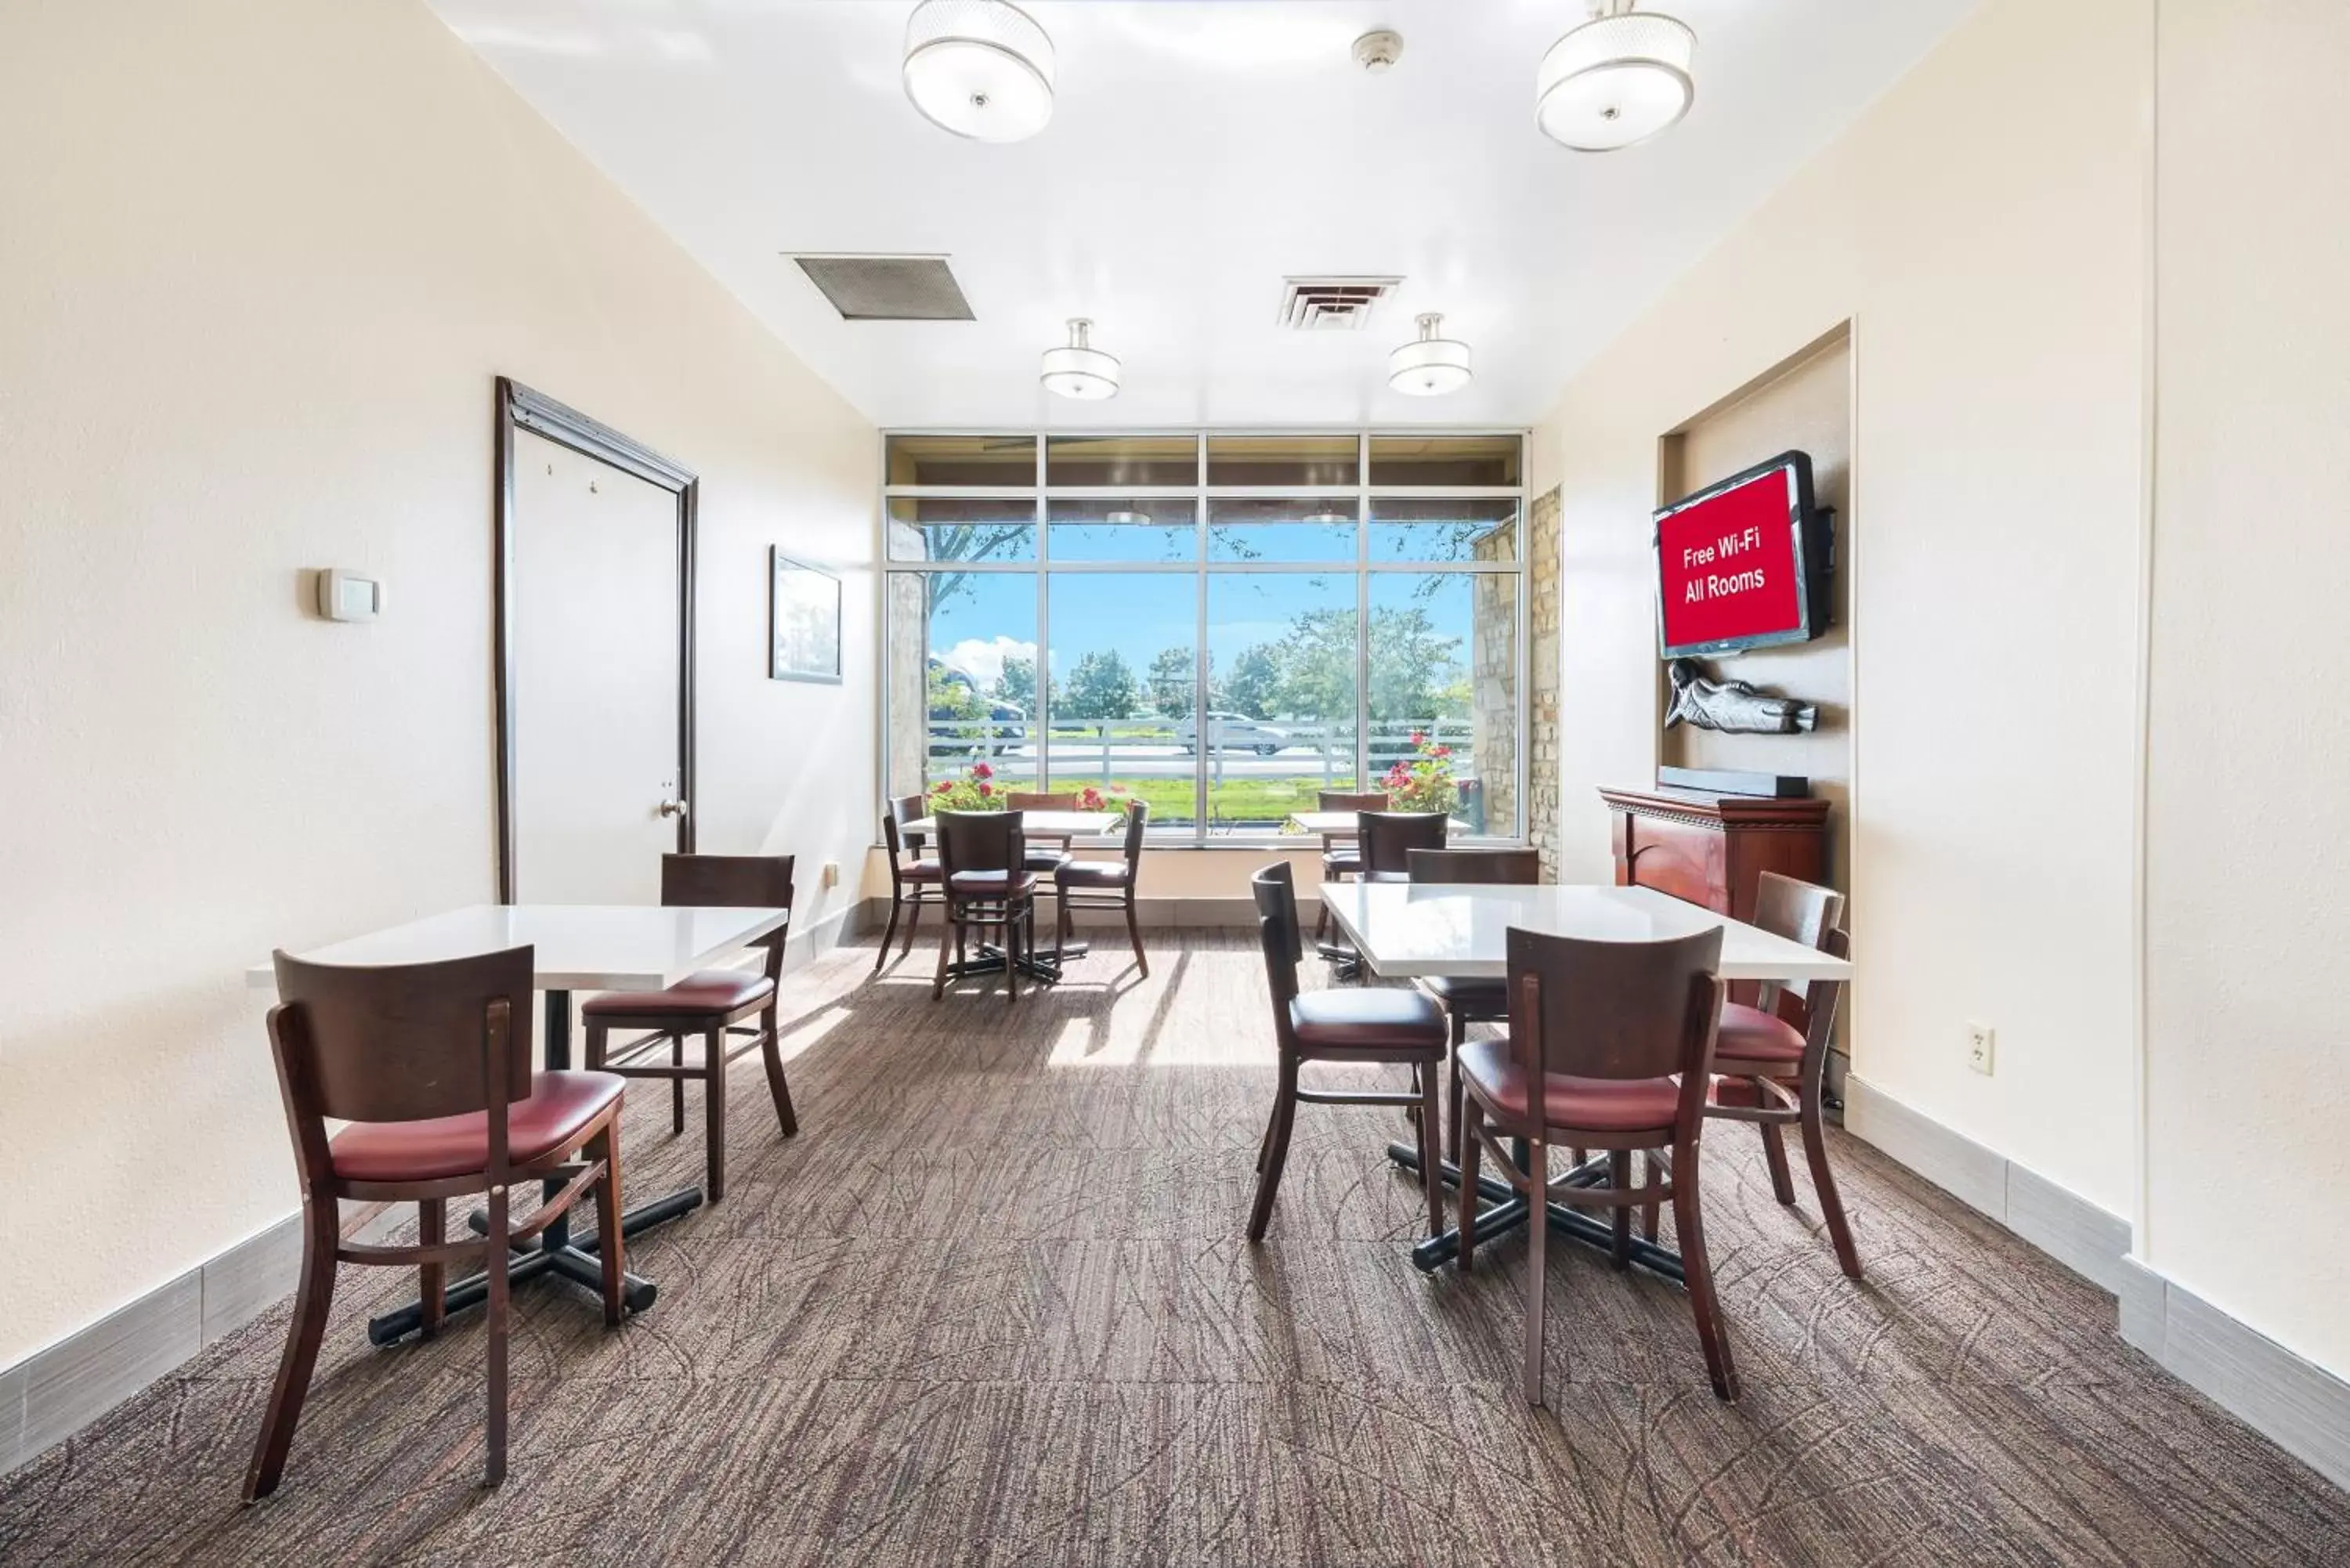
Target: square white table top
1040,824
578,947
1337,823
1408,930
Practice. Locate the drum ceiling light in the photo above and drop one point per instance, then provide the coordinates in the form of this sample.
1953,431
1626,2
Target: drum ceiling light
1619,78
981,68
1431,367
1080,370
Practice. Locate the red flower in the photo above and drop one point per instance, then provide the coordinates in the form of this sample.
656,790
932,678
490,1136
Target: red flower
1420,737
941,788
1441,751
982,770
1089,799
985,789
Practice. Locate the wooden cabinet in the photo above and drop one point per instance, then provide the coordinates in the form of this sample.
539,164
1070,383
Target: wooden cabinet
1712,849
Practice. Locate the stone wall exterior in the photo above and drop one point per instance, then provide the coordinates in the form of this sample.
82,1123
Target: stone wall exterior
1493,684
1542,710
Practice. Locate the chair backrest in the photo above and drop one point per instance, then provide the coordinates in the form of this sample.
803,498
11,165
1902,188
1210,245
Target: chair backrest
1276,930
903,810
1802,912
980,841
400,1043
1389,837
1614,1010
1019,800
1517,868
1341,800
1138,822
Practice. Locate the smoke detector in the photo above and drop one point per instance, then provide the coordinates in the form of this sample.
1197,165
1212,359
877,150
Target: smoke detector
1378,51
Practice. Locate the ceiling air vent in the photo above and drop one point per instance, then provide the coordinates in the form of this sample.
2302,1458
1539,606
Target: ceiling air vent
887,288
1332,303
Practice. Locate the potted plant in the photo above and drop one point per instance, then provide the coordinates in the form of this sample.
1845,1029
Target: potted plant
1424,780
973,790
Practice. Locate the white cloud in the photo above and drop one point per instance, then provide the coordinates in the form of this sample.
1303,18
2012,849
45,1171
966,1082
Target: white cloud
982,660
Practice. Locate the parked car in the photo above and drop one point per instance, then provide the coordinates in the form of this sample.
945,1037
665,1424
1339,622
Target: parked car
1232,732
1006,729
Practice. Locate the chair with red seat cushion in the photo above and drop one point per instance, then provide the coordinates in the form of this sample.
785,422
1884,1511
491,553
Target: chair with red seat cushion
430,1063
913,882
711,1004
1384,1025
1610,1046
1470,1000
1342,853
1109,884
1775,1051
988,886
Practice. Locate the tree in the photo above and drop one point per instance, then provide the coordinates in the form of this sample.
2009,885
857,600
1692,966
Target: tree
1253,684
1101,687
1314,661
950,694
1413,665
1017,683
1173,676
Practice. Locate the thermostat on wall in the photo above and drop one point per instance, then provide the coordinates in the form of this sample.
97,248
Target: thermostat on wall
347,596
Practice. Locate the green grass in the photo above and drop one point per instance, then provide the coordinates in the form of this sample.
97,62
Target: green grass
1240,800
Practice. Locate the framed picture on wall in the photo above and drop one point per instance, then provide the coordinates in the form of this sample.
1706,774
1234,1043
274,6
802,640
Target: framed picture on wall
802,620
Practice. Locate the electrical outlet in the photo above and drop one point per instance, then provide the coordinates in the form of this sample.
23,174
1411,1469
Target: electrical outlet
831,874
1980,1039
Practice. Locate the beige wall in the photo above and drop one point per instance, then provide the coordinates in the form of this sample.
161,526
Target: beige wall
1991,261
261,262
2248,800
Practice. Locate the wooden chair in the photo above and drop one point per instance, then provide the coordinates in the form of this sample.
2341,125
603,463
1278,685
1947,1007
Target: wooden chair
984,855
1342,855
1597,1031
1389,837
1109,884
1468,1002
1377,1025
1771,1058
913,882
431,1064
710,1003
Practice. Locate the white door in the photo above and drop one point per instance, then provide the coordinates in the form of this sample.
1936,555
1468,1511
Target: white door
594,694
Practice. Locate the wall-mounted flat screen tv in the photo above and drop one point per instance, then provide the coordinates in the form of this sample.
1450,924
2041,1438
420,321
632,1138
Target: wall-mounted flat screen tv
1744,563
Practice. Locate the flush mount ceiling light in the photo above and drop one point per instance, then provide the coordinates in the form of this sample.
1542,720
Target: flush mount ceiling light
981,68
1126,519
1431,367
1080,370
1329,514
1620,77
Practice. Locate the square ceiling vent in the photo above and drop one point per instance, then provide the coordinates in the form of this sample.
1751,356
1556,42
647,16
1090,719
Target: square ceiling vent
887,288
1332,303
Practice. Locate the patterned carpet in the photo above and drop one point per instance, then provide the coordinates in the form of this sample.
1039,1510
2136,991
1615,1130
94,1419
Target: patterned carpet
992,1307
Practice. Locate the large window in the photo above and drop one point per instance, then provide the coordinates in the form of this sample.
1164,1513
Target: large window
1223,625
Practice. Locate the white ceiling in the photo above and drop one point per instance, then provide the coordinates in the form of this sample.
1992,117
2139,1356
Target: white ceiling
1200,150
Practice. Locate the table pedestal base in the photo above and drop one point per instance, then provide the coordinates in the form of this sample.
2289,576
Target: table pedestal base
1511,1209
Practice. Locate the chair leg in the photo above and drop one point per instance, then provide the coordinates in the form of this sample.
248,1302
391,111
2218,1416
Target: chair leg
1011,919
496,1322
312,1297
1538,1235
889,931
714,1107
1619,1177
1815,1151
771,1050
1431,1149
431,1279
606,1146
1276,1151
950,941
1134,935
1469,1121
913,919
1452,1081
1699,1273
1651,1170
677,1087
1775,1155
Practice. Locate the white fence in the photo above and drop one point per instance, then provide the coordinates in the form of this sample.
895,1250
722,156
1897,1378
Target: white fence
1100,750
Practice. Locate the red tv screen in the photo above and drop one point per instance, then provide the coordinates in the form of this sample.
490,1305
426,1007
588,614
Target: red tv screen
1732,571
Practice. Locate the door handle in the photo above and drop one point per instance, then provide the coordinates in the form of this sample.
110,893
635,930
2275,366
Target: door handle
672,808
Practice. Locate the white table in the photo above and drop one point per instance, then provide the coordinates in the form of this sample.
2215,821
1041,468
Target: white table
1458,930
1342,823
574,947
1038,825
1421,931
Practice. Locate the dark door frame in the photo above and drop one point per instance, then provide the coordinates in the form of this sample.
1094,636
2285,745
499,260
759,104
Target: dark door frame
521,409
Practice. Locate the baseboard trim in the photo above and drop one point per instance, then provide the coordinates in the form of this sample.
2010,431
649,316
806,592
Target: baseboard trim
2090,1241
2294,1403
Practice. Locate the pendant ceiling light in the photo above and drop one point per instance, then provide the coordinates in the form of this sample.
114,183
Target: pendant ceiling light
1620,77
981,68
1080,370
1431,367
